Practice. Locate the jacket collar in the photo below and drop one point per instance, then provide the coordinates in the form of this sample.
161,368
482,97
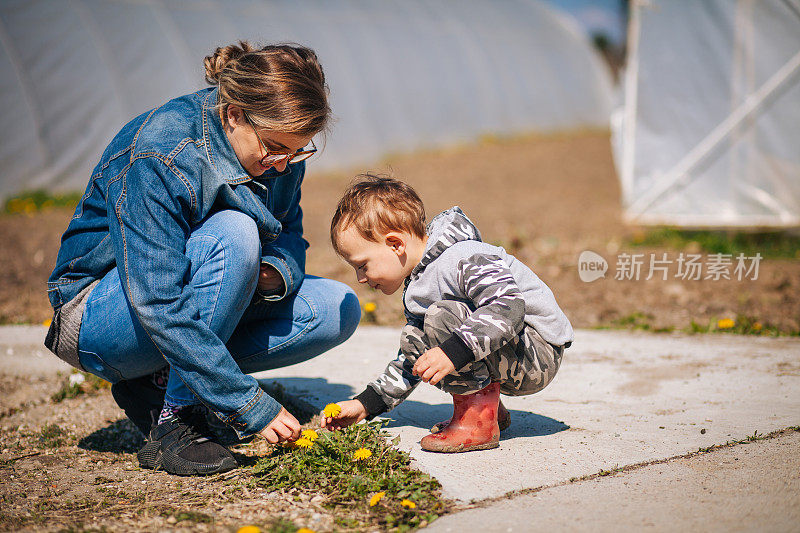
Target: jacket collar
219,151
446,229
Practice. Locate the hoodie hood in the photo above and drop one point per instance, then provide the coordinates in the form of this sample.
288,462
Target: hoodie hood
446,229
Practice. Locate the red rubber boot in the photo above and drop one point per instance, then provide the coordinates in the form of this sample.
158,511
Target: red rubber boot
503,420
473,426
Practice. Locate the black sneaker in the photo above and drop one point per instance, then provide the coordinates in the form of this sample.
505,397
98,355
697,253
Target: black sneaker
182,446
138,398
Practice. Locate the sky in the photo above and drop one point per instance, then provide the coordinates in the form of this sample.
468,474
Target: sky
595,16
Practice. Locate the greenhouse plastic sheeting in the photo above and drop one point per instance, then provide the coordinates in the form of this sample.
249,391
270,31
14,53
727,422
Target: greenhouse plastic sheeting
403,74
710,132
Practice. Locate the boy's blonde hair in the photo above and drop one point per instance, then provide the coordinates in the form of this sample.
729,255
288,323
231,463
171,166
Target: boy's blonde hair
377,205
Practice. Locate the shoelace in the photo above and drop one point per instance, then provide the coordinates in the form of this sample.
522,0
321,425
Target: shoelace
187,431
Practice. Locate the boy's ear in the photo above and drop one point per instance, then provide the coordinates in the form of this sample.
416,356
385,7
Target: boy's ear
396,241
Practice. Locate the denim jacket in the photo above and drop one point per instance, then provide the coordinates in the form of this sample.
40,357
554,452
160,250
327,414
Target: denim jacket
163,173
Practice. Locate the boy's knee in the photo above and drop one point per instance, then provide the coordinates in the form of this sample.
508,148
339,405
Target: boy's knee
444,317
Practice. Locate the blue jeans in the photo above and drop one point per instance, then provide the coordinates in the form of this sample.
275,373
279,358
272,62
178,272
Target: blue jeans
260,335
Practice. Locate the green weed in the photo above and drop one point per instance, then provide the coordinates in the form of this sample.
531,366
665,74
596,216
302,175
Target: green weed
773,244
52,436
641,322
741,325
329,465
79,383
29,202
183,515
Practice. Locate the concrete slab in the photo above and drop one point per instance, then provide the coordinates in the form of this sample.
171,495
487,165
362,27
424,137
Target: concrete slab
749,487
22,352
620,398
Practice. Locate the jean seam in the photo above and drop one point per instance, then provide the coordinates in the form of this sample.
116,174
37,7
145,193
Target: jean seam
95,354
219,285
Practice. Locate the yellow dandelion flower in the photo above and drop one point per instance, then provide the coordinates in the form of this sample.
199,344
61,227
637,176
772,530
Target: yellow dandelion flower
725,323
376,498
757,326
305,530
310,434
47,323
408,504
361,454
303,442
370,307
332,410
249,529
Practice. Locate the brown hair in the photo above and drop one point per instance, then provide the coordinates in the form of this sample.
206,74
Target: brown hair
281,87
376,205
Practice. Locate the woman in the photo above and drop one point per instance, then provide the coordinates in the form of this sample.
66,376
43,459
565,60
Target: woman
183,266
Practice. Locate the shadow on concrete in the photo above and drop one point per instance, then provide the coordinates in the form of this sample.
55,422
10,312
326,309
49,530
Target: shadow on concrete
523,423
312,390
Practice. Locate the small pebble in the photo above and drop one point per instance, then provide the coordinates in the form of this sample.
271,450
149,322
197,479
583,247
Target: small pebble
703,431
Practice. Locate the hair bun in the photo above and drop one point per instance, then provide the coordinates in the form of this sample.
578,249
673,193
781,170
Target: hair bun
217,62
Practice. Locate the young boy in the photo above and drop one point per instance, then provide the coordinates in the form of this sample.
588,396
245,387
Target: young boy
479,322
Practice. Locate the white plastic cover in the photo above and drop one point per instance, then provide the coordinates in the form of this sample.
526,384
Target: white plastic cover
710,132
403,74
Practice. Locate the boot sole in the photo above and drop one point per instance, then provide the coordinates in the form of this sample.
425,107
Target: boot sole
461,448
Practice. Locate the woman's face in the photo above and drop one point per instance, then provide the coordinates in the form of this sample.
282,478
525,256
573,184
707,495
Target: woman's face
248,149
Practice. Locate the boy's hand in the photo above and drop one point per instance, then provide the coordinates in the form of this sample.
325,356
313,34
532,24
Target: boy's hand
433,366
353,412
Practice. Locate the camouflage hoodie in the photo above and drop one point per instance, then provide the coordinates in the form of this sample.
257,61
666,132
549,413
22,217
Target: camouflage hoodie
503,293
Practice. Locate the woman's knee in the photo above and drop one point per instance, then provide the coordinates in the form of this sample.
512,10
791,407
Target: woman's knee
231,238
234,231
337,309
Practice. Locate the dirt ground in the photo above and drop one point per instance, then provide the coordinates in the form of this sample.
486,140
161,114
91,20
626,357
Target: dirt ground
71,464
546,199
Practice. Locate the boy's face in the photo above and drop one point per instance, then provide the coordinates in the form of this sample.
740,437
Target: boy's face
384,265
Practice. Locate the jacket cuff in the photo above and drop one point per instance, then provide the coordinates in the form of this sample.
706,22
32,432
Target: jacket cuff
283,270
457,351
372,402
255,416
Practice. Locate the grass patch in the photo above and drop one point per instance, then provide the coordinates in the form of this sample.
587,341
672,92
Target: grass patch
381,489
641,322
772,245
29,202
182,515
79,383
741,325
52,436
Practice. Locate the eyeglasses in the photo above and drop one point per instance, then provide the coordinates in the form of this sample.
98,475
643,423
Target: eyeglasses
276,158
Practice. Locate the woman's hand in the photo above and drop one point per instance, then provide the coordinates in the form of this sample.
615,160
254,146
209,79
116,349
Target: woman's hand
353,412
284,427
269,279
